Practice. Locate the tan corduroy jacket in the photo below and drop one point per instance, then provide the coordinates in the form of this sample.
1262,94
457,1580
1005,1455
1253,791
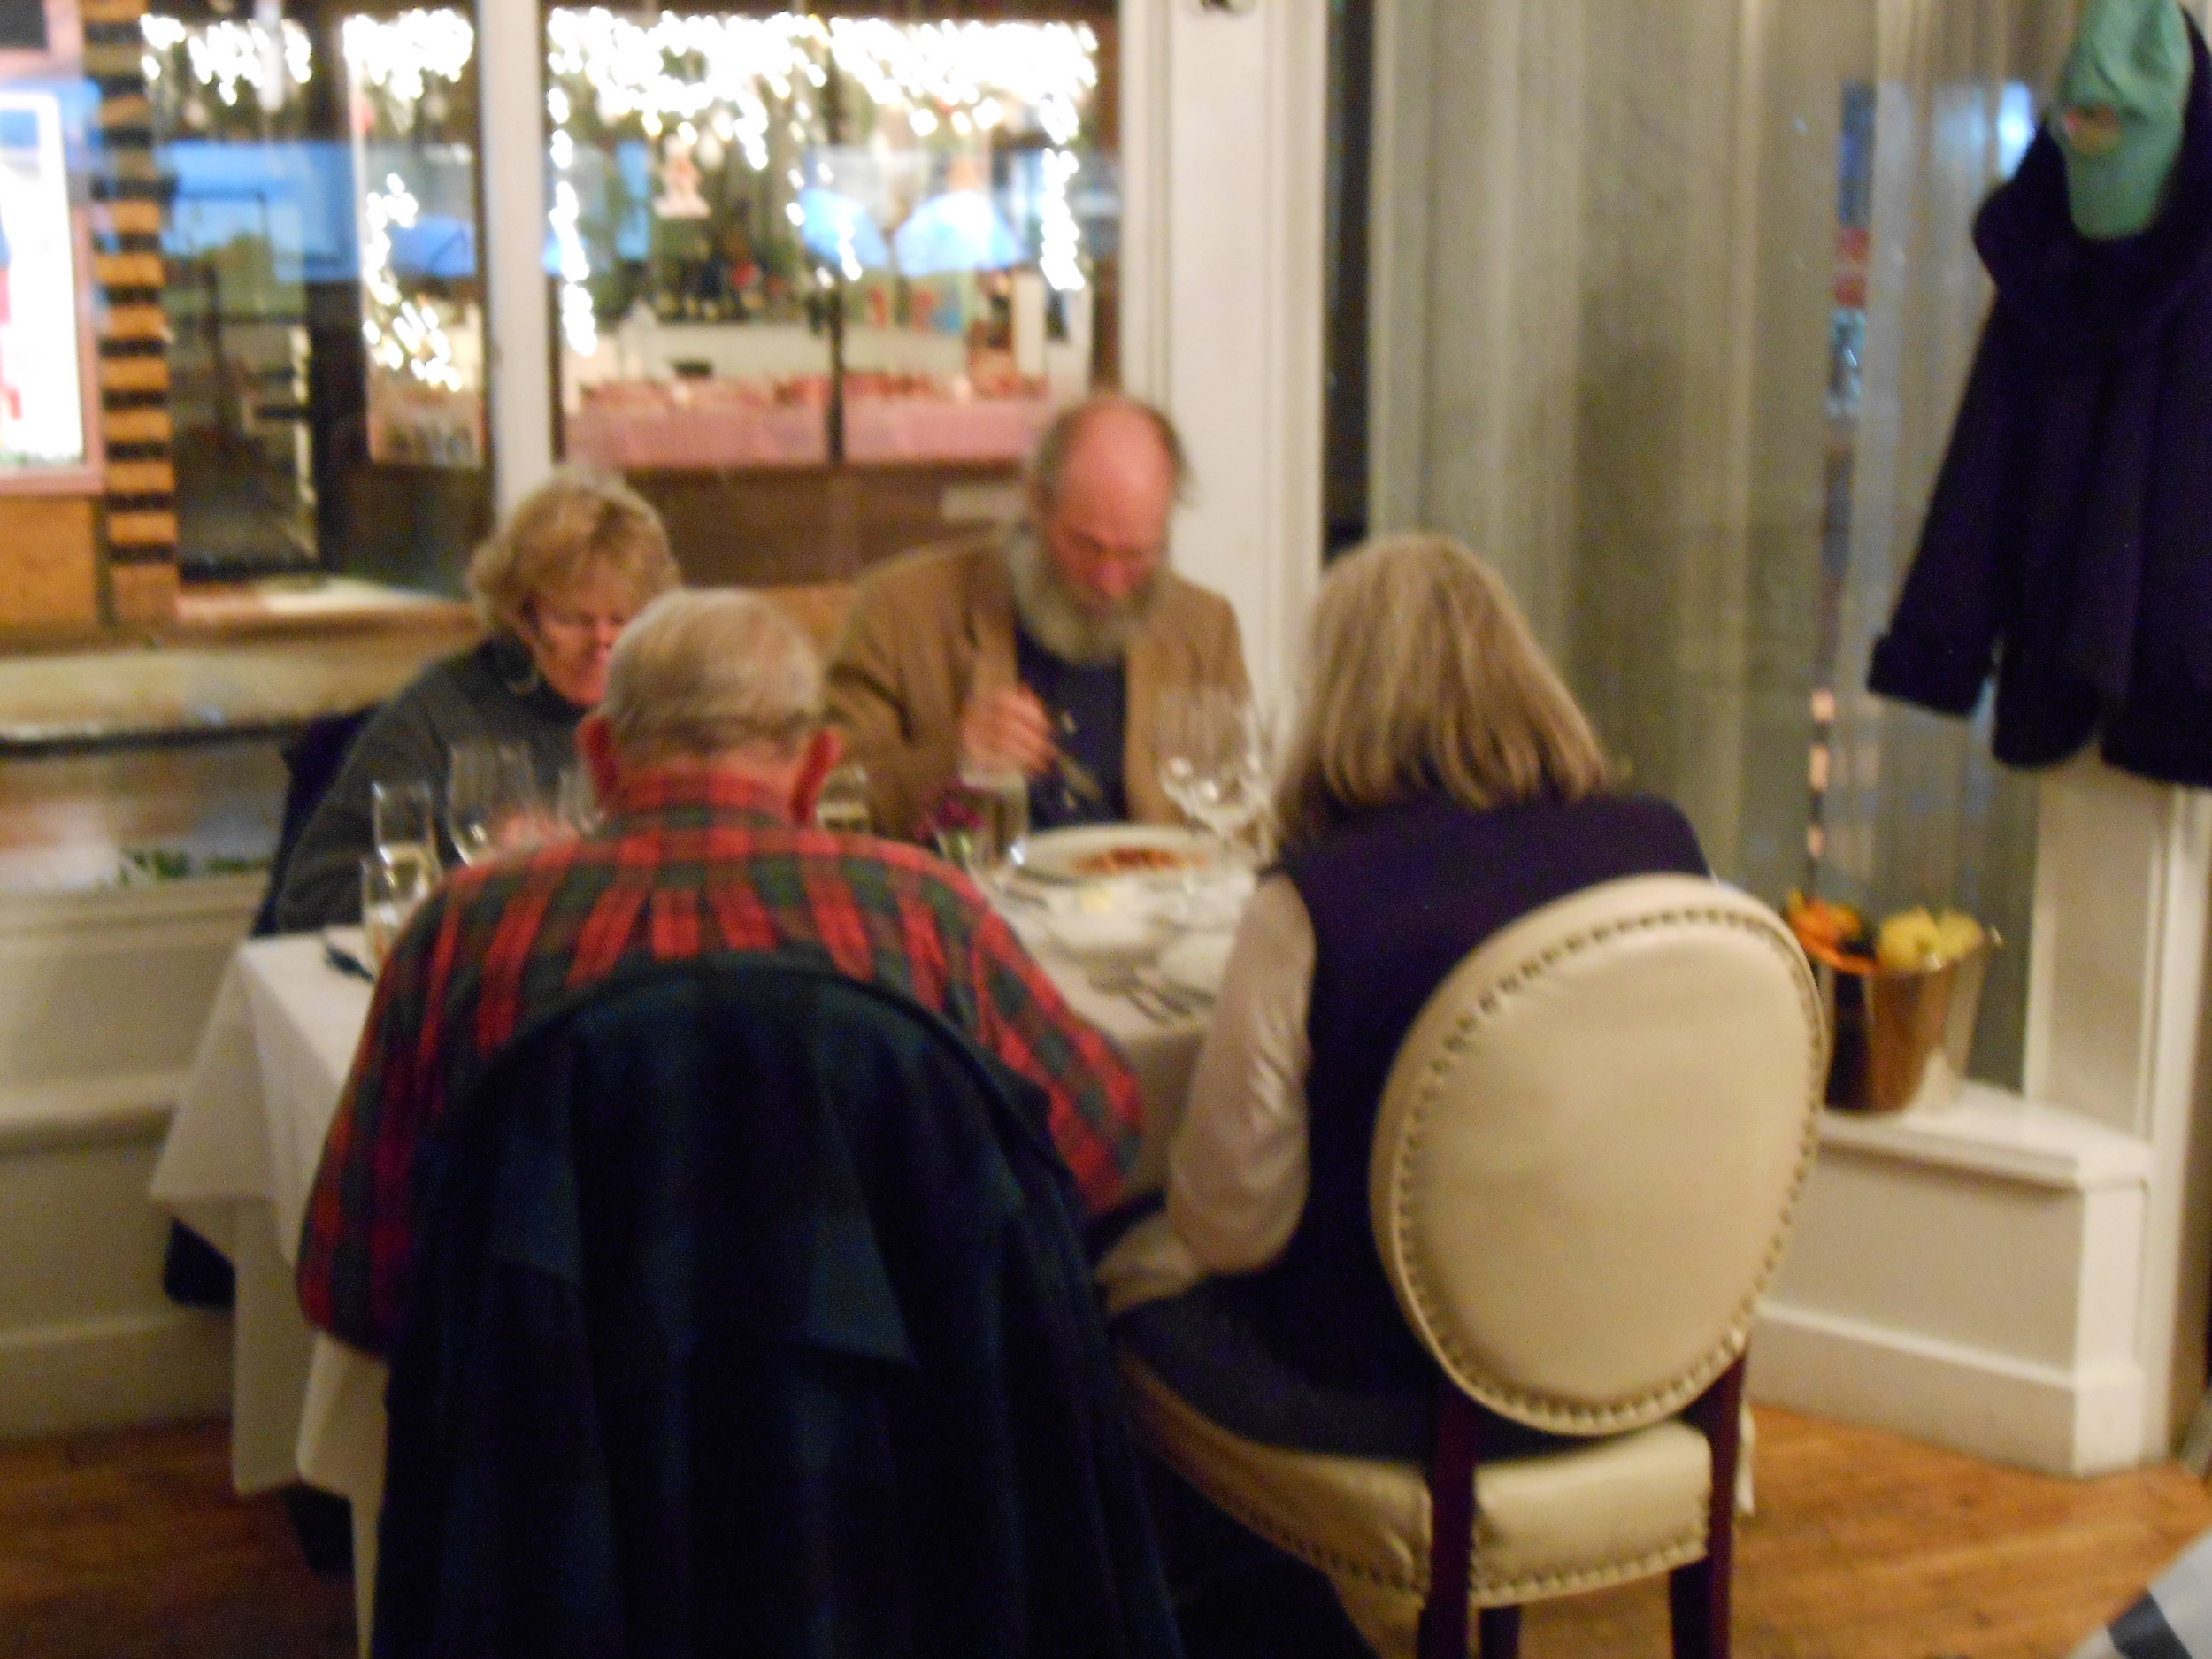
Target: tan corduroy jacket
929,631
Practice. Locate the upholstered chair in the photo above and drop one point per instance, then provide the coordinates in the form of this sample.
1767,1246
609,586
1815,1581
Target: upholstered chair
1588,1153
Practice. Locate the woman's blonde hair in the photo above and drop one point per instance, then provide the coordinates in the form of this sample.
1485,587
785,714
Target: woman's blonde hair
575,525
1425,676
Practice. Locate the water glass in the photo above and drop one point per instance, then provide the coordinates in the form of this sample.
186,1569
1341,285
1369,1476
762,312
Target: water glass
391,891
998,801
575,804
492,801
405,825
843,803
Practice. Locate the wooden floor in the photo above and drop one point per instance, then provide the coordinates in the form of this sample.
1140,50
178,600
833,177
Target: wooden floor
1866,1546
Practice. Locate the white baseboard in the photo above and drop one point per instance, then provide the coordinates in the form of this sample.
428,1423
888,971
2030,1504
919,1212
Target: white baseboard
165,1365
1991,1405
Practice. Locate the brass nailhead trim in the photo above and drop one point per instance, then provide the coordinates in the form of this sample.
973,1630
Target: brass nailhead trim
1543,1411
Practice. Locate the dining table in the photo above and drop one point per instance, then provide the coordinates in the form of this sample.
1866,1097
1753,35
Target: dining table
240,1161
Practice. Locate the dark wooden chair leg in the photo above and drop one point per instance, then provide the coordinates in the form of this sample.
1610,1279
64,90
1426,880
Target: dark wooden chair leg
1500,1630
1457,1450
1698,1594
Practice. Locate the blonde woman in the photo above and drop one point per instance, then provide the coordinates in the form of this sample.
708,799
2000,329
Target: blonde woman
554,585
1440,783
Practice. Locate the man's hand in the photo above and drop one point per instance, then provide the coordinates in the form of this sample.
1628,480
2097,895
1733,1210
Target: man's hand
1006,728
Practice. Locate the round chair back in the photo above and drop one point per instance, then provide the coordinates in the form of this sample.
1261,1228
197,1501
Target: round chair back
1590,1145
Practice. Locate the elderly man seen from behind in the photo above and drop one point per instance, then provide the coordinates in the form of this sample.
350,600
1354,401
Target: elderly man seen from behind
1042,651
708,752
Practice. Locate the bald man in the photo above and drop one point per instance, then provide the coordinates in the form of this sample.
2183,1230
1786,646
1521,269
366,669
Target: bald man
1043,650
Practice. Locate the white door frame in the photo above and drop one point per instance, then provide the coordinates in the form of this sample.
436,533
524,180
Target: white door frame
1225,160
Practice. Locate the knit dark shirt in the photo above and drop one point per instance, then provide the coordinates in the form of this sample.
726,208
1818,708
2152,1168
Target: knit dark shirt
1088,706
491,693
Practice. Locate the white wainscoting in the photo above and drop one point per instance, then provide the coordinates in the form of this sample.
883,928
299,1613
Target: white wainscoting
102,998
1969,1276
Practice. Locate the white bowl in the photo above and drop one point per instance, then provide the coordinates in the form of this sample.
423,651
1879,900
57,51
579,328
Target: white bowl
1115,940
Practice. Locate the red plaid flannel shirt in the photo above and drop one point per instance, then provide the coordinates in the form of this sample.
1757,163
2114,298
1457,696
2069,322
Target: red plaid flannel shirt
688,863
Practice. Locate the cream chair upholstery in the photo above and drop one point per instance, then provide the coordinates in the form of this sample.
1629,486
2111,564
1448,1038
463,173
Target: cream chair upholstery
1584,1171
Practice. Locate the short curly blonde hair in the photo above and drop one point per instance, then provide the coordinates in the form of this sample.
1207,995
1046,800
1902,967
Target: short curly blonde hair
575,525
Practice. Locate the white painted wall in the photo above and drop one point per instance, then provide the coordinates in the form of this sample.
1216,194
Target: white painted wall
511,87
102,998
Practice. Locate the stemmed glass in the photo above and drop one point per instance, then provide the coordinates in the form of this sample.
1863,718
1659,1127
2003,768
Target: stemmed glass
492,801
403,827
1213,751
575,804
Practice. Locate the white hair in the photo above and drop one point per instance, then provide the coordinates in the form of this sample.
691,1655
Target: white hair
704,670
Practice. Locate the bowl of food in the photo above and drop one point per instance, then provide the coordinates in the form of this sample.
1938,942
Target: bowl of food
1092,853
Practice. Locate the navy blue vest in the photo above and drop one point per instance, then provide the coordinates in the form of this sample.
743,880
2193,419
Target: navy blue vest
1398,899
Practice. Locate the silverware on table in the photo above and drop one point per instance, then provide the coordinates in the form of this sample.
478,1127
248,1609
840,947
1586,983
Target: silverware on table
345,962
1073,771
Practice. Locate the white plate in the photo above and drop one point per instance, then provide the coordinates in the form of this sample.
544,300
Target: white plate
1058,855
1196,961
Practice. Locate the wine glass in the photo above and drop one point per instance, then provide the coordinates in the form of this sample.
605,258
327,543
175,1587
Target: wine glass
492,801
1213,752
404,830
391,891
575,804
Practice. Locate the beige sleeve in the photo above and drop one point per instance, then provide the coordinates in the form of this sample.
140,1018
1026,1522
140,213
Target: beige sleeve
1237,1169
871,706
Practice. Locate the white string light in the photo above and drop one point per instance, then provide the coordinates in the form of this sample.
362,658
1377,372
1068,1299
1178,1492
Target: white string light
226,55
402,55
1061,235
735,76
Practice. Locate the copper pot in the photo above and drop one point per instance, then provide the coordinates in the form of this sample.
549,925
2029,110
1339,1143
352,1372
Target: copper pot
1901,1039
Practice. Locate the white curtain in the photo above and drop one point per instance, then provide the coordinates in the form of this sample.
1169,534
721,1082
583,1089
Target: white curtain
1916,811
1607,272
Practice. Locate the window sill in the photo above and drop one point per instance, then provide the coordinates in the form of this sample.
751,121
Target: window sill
1994,1133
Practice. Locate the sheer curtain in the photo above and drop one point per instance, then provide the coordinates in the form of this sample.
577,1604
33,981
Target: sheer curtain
1673,305
1916,811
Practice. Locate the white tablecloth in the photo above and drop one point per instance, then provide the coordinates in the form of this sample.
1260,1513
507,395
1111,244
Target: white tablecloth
240,1157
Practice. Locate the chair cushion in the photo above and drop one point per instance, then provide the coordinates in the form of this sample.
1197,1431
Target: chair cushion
1601,1513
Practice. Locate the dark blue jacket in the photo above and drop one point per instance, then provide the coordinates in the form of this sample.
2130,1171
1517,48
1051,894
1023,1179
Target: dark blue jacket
753,1318
2069,537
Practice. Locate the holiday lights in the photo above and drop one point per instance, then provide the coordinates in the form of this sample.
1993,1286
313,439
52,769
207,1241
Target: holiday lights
679,68
400,56
677,77
1062,237
226,55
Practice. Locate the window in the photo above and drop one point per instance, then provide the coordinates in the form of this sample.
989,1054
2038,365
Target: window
324,302
814,274
1673,328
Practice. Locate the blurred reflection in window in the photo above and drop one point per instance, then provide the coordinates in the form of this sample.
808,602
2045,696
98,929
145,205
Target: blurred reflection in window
785,242
324,300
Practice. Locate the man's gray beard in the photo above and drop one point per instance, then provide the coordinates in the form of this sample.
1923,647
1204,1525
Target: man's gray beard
1052,617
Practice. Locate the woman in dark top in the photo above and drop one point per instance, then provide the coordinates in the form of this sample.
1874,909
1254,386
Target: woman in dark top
554,585
1440,784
